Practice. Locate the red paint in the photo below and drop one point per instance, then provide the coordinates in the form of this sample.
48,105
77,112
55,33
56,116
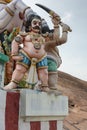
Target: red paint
53,125
35,125
12,111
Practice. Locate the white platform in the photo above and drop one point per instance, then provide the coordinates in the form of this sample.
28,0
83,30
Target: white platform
2,70
39,106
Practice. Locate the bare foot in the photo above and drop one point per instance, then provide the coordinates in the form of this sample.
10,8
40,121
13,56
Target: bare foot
11,85
45,89
56,92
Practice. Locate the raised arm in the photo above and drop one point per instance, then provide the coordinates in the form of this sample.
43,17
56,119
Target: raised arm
60,39
64,36
56,20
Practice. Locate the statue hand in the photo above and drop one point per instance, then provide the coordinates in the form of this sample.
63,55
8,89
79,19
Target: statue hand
17,58
65,28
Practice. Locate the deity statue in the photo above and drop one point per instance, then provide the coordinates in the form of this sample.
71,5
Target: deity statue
53,56
39,55
13,14
32,54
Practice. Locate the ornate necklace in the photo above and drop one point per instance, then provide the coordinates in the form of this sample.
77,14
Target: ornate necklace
37,40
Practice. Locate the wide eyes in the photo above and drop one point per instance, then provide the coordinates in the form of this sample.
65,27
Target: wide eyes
36,23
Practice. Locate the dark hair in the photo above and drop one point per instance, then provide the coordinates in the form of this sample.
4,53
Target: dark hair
45,27
29,20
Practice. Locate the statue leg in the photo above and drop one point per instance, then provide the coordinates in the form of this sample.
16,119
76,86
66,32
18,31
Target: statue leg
43,77
53,76
16,77
9,71
53,82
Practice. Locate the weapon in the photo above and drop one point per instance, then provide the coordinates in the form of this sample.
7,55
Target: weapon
53,14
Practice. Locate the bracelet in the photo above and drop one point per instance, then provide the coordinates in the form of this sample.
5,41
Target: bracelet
9,11
65,31
15,81
18,39
56,26
14,54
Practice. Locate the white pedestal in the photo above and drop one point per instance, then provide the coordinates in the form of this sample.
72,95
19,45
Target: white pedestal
3,60
39,106
2,70
34,111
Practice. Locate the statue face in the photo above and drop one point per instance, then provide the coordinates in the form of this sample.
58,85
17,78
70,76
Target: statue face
36,25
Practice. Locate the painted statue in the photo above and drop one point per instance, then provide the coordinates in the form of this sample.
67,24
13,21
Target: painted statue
13,14
33,55
41,57
53,56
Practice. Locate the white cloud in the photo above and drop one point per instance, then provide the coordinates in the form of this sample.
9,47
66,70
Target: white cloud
67,17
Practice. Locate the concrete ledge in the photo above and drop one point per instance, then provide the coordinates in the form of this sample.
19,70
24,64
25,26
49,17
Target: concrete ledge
3,60
10,118
39,106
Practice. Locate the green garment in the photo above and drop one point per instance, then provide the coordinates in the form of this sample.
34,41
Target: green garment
52,65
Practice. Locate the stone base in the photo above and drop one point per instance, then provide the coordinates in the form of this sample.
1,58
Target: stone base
17,112
39,106
3,60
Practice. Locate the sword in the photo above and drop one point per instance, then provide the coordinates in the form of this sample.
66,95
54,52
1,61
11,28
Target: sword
52,13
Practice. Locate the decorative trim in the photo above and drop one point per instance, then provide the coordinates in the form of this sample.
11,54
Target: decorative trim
9,11
15,81
56,26
65,31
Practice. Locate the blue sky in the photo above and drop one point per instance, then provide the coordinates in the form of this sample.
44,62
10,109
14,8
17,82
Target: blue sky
74,52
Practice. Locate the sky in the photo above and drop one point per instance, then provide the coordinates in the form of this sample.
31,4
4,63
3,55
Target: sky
74,51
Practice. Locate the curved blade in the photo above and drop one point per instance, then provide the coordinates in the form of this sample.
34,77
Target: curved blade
51,12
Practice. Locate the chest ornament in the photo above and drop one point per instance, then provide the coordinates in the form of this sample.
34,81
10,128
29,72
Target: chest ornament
37,41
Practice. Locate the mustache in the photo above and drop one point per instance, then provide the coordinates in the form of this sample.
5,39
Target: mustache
36,27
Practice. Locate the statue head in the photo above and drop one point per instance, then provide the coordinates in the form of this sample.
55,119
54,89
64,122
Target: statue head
45,27
33,23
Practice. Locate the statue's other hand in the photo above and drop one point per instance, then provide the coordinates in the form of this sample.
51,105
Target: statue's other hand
17,58
65,27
